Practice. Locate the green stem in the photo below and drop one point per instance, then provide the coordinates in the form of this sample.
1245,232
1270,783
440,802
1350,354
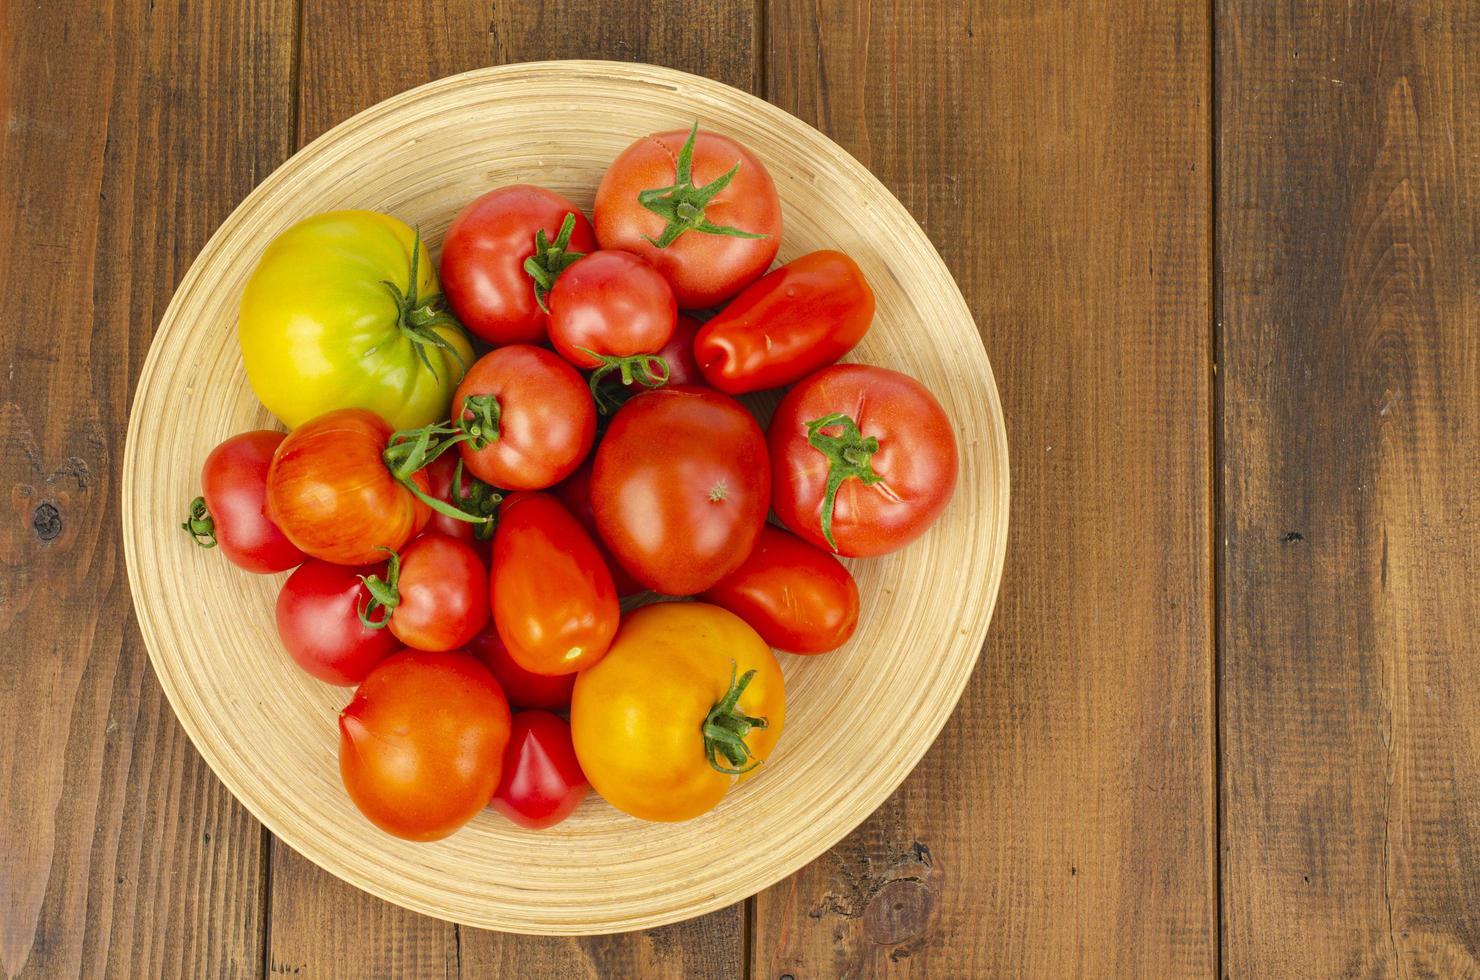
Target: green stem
419,319
648,370
411,450
551,259
849,456
199,523
383,594
726,726
682,204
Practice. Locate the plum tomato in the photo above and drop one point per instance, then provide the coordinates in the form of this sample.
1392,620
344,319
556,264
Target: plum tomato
542,781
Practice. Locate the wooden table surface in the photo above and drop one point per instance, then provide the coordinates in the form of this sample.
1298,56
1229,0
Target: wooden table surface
1226,263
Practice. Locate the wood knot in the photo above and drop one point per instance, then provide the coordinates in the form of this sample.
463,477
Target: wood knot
47,521
899,912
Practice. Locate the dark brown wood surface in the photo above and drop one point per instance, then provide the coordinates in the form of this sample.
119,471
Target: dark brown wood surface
1228,715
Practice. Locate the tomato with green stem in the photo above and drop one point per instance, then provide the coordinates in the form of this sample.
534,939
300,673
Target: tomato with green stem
319,623
232,509
542,782
432,596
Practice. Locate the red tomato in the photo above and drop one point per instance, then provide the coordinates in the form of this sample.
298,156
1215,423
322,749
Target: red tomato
678,353
332,494
319,623
793,321
493,266
797,597
680,488
863,459
542,781
523,688
608,310
698,206
433,596
468,494
421,746
575,493
232,508
543,419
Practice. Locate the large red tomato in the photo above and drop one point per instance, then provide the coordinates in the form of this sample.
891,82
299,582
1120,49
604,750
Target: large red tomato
523,688
232,508
502,253
863,459
680,488
698,206
319,622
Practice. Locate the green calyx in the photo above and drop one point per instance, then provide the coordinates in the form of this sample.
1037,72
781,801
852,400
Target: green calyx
648,370
411,450
420,318
550,259
473,496
726,726
849,457
384,596
199,523
682,205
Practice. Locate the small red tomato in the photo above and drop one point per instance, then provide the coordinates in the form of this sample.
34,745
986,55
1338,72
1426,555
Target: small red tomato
575,493
678,353
542,782
421,745
609,309
535,413
433,596
500,256
793,321
232,508
553,599
319,623
698,206
797,597
523,688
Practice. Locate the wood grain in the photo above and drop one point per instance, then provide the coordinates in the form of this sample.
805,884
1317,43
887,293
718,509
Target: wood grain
1349,295
129,132
1063,824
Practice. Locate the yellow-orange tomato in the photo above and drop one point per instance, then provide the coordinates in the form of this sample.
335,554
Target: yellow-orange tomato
657,725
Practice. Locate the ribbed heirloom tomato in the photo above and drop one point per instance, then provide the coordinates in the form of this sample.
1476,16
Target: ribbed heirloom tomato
232,508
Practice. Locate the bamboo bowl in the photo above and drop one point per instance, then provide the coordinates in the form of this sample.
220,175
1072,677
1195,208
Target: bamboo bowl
269,731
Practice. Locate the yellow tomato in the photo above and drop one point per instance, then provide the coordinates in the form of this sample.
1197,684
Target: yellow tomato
656,723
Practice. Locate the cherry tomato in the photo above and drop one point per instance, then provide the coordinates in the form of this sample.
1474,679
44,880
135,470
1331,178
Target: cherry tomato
421,745
797,597
542,782
791,322
553,599
536,413
698,206
503,249
609,309
319,623
575,493
523,688
232,508
863,459
469,494
680,488
433,595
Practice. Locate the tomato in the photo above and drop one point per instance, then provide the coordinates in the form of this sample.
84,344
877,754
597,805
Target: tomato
421,745
797,597
448,481
333,495
542,782
575,493
232,508
688,698
698,206
343,311
793,321
680,488
553,599
863,459
502,253
539,412
319,623
523,688
433,596
678,353
610,307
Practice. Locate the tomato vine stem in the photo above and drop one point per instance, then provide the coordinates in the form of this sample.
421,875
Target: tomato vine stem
199,523
849,456
551,259
411,450
726,726
682,204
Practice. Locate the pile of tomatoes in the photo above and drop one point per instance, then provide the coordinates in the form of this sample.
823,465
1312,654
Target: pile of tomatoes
466,524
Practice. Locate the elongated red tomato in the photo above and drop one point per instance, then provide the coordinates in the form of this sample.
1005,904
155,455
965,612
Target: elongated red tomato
433,595
796,596
575,493
319,623
793,321
232,508
523,688
542,782
553,599
864,459
680,488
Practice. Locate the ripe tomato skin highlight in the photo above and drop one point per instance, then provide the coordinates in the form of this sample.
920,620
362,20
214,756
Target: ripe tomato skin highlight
421,745
915,461
680,488
612,303
704,269
483,257
792,321
575,493
553,599
796,596
542,782
547,418
233,482
320,628
523,688
443,588
333,496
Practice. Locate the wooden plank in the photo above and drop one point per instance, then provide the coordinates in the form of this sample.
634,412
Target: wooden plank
1349,258
130,130
1064,824
320,926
